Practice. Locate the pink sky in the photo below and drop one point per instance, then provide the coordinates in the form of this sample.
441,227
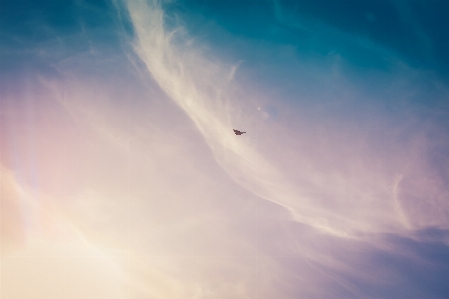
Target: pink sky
131,183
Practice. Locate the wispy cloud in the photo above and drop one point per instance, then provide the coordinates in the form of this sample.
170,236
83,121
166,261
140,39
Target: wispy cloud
122,167
340,184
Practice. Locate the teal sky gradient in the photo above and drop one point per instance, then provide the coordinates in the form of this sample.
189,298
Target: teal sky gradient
116,123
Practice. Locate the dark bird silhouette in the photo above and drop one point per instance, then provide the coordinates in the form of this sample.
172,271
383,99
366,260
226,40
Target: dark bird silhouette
237,132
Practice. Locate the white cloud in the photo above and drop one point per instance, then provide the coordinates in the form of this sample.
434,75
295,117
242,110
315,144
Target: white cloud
327,177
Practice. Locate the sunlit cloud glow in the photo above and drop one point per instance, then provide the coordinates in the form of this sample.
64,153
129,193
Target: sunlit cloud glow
121,176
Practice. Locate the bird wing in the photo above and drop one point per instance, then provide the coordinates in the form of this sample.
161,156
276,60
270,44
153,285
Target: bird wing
237,132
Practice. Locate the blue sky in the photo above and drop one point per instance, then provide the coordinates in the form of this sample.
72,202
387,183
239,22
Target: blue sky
121,176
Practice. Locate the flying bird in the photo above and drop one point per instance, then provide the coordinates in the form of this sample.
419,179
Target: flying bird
237,132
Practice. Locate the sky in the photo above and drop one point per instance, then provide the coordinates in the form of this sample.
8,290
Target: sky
121,176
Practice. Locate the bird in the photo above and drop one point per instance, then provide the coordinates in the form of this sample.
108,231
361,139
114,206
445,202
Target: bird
237,132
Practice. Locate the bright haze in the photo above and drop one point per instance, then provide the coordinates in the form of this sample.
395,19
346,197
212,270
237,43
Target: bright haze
122,177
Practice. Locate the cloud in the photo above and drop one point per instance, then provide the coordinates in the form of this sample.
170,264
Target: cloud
333,176
129,169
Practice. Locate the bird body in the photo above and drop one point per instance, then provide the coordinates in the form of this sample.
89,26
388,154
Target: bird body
237,132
